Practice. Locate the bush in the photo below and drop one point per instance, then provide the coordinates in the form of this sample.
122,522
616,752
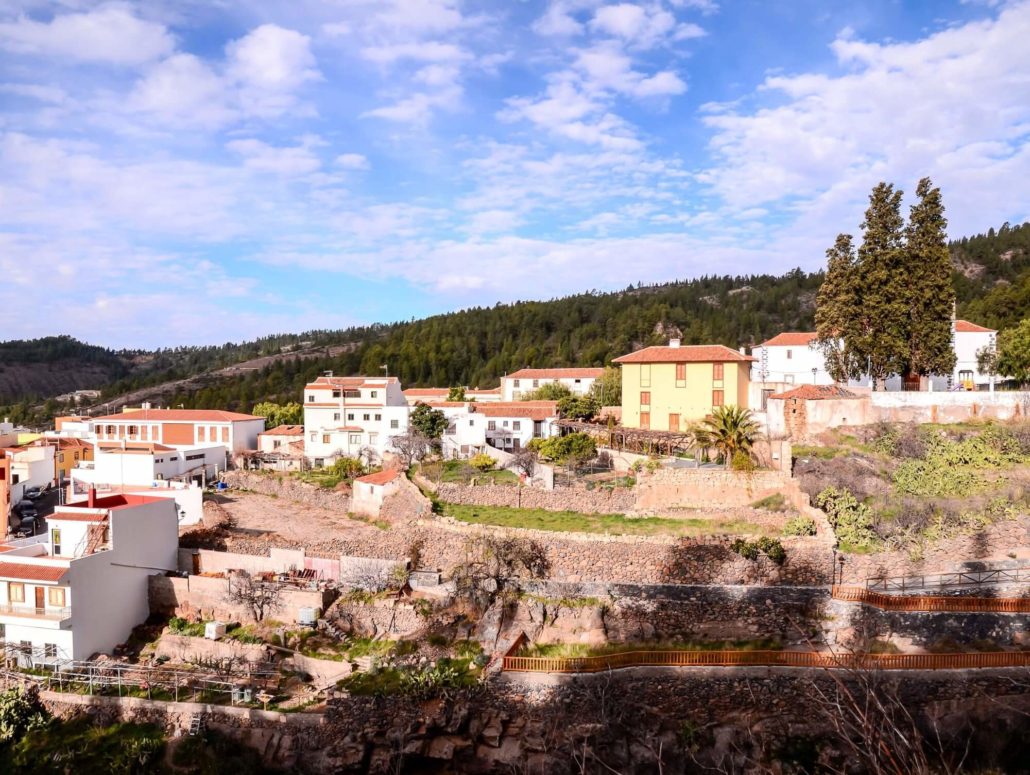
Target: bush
561,449
799,526
774,502
482,462
773,549
742,461
851,521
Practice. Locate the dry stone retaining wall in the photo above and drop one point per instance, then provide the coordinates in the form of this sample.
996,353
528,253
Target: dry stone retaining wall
618,500
287,487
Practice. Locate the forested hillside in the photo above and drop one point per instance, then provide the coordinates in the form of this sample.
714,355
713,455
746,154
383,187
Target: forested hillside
476,346
53,365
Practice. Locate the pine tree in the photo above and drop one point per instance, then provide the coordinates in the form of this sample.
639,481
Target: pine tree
883,314
931,297
837,313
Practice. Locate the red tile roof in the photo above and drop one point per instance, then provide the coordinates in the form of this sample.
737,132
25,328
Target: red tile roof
572,373
965,327
133,447
349,382
177,415
26,572
351,428
380,477
791,339
427,391
692,353
816,393
284,430
534,410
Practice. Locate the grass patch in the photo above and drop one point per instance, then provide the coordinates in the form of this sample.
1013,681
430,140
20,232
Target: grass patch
422,683
179,626
569,650
616,524
562,602
820,453
79,746
774,502
460,472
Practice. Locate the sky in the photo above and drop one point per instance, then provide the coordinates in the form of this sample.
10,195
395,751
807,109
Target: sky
181,172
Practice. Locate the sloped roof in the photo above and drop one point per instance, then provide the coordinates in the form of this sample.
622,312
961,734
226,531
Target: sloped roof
965,327
285,430
380,477
27,572
691,353
533,410
177,415
791,339
570,373
816,393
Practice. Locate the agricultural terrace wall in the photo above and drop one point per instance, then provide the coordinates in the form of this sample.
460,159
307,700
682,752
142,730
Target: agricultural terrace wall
199,650
601,501
205,598
347,569
922,407
382,618
278,485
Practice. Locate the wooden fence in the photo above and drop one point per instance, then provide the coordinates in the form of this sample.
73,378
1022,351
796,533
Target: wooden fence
956,604
625,659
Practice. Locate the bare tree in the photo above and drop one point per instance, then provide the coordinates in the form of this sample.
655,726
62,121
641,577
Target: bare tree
524,462
412,446
368,456
257,596
369,575
494,565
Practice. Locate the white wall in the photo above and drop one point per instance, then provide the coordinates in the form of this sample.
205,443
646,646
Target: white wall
512,392
791,365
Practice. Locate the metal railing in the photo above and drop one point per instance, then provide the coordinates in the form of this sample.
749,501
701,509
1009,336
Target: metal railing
48,612
958,579
599,664
955,604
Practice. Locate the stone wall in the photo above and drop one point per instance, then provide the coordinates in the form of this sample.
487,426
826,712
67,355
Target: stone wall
389,618
204,598
278,485
685,488
618,500
185,648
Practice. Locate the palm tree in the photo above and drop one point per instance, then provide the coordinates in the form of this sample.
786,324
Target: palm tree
729,430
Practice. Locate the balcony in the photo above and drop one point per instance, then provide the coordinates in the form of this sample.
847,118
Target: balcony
46,617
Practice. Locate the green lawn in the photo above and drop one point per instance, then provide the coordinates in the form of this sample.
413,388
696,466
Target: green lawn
568,650
460,472
575,522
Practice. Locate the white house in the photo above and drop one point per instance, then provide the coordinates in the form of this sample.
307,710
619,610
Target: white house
31,466
177,428
434,396
81,588
792,358
345,415
504,425
371,490
525,381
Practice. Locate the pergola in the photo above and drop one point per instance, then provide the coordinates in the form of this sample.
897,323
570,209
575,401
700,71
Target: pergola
632,439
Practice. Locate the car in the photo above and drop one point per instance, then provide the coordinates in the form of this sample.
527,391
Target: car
27,510
34,493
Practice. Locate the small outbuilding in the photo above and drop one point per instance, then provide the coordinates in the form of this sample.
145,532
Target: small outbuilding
371,491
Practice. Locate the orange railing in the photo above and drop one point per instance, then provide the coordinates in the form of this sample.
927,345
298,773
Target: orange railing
625,659
956,604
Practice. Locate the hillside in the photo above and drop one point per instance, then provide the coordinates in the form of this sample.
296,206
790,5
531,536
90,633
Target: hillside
476,346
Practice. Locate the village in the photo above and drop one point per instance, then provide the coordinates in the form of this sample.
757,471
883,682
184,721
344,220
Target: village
729,509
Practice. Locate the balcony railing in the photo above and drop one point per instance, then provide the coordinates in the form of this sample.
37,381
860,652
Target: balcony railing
49,613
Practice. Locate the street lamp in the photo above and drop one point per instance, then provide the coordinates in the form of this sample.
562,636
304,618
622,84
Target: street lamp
814,370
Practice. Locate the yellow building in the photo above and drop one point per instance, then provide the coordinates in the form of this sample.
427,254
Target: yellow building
68,453
668,388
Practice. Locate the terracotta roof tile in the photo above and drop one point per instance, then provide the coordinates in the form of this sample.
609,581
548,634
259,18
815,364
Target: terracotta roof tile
534,410
380,477
284,430
693,353
791,339
26,572
965,327
816,393
177,415
562,373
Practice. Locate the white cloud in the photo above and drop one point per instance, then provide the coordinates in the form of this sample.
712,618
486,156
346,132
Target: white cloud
286,161
269,64
110,33
558,22
640,26
184,90
606,67
423,51
51,94
352,161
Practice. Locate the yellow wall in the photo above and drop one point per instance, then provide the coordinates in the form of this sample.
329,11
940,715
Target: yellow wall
64,460
28,438
691,399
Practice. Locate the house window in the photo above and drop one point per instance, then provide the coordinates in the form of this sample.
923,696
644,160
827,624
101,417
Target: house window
790,354
536,383
355,438
788,378
516,425
15,592
55,540
645,420
336,416
366,417
336,394
110,430
352,394
311,398
645,375
395,424
645,398
373,439
350,415
143,432
314,436
201,433
225,435
50,650
55,597
276,444
325,438
717,371
379,417
717,398
578,381
674,422
374,393
471,422
76,455
681,375
133,430
515,383
61,458
505,423
491,425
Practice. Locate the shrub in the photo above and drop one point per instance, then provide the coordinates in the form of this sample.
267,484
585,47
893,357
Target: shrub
774,502
746,549
852,521
742,461
773,549
482,462
799,526
653,465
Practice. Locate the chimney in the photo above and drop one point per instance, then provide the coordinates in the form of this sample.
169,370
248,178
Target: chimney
674,343
743,350
92,502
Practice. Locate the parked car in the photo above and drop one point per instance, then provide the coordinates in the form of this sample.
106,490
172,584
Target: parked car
34,493
24,524
27,510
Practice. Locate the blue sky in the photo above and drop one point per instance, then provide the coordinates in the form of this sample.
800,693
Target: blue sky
184,172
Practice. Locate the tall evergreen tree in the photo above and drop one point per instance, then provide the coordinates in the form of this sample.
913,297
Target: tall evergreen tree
931,297
883,315
837,312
